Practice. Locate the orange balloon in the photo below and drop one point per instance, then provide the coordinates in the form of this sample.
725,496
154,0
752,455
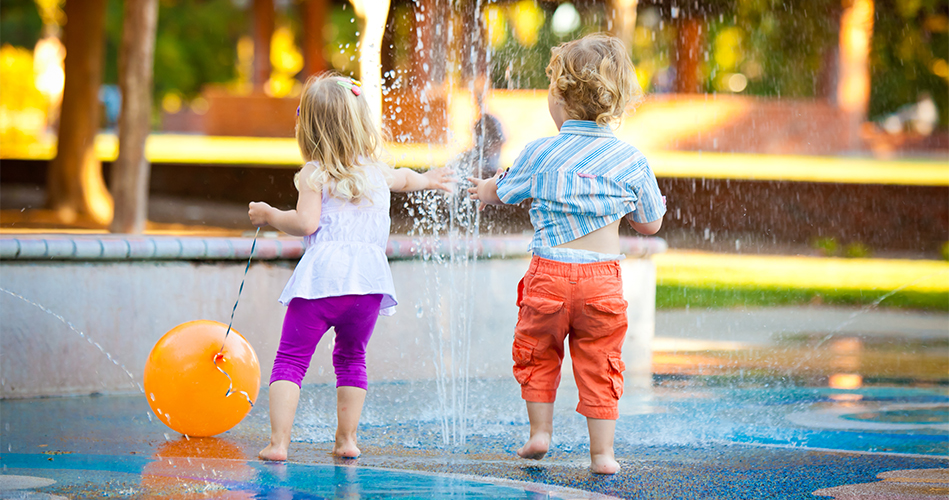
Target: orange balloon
187,391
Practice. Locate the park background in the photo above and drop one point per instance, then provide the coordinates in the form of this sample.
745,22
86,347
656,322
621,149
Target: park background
789,326
809,128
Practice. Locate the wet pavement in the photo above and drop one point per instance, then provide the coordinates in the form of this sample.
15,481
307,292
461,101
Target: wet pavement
813,405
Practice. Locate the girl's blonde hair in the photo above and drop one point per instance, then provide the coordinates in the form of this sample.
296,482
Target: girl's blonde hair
595,78
335,129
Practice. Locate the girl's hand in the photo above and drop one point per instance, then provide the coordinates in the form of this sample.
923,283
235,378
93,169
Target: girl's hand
440,178
259,212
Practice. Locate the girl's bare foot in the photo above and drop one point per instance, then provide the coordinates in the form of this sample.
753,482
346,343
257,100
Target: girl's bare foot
273,453
536,447
603,464
345,447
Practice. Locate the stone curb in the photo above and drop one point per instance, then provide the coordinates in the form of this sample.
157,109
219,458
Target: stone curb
91,248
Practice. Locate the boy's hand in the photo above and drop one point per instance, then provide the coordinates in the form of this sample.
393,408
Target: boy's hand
473,190
440,178
258,212
485,191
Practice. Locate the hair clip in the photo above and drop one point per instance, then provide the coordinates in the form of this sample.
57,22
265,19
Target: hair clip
298,111
352,85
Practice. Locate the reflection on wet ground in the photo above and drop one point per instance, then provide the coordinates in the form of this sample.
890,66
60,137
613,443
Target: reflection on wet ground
685,437
843,362
833,412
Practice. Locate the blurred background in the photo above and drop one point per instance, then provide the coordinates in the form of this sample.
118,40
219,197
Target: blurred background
802,146
813,127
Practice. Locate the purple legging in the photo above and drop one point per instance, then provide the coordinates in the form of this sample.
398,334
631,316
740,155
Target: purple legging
352,316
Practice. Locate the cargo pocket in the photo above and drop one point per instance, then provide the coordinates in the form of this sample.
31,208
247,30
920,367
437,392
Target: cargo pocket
610,306
616,369
541,304
605,315
523,353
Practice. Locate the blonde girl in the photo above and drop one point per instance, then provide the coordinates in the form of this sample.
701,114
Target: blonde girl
343,279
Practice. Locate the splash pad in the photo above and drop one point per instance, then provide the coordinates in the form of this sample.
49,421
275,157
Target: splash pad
796,435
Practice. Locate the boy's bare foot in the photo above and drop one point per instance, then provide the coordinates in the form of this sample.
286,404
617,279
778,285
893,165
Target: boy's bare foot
273,453
536,447
603,464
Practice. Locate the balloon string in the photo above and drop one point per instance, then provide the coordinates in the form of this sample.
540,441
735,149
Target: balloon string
220,353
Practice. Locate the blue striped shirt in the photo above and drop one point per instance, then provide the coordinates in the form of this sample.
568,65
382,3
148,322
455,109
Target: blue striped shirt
582,179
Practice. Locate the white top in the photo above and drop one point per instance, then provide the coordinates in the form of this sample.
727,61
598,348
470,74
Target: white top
347,254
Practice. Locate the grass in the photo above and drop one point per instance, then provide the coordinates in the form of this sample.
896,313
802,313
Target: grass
714,296
707,280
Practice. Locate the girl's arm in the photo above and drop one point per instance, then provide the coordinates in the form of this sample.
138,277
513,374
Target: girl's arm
485,190
303,221
404,180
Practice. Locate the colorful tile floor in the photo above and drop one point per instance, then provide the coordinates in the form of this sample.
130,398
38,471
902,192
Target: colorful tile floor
683,437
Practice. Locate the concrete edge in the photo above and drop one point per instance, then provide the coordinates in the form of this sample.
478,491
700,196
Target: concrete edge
108,247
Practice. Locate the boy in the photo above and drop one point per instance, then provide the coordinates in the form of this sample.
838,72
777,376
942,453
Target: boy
582,183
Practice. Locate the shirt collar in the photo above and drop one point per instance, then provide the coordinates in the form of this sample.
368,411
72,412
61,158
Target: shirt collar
586,127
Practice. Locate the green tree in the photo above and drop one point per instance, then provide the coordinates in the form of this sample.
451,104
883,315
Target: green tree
910,50
788,45
196,44
20,23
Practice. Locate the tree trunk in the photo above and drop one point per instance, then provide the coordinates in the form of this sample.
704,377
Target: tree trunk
374,14
313,13
131,170
623,21
263,32
853,82
688,48
75,186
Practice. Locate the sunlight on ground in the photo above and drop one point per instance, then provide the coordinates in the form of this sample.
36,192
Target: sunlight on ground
283,152
652,128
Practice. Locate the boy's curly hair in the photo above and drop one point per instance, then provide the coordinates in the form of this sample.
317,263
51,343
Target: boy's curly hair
595,78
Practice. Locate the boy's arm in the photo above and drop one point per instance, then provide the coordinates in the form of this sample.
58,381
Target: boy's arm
485,190
646,228
406,180
650,204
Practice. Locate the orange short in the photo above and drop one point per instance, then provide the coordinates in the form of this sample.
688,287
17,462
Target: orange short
584,304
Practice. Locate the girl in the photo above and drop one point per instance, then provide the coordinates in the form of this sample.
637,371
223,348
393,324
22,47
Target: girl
343,279
583,182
